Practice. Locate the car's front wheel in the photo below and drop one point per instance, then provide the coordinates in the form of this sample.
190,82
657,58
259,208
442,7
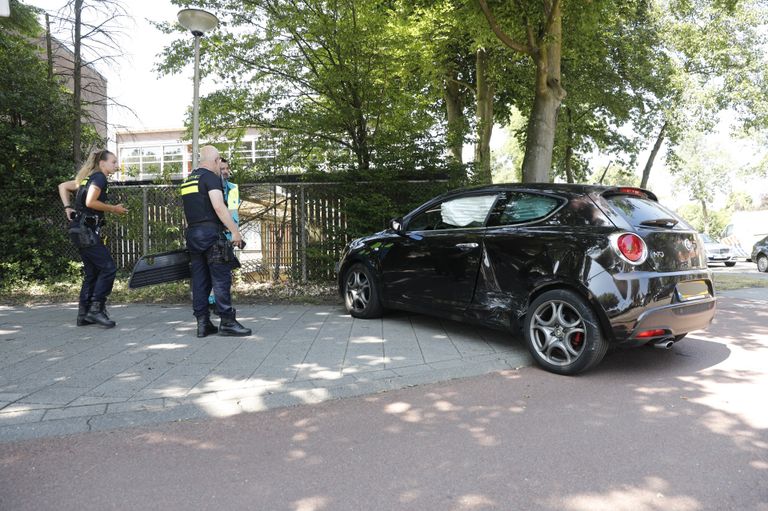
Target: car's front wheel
361,294
563,333
762,263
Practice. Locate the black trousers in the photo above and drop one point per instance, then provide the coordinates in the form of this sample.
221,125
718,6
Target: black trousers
99,273
208,276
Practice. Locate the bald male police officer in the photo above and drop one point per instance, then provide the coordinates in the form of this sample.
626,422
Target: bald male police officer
207,217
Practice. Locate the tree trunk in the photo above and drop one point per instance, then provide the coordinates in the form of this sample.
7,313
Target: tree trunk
569,147
705,216
76,88
358,133
454,117
652,156
48,49
537,163
484,113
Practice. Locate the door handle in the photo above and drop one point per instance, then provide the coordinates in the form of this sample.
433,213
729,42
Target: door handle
466,246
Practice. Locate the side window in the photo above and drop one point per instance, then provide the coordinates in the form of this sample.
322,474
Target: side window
524,207
464,212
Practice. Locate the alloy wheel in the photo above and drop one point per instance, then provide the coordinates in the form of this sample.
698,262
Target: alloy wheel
558,332
762,263
358,290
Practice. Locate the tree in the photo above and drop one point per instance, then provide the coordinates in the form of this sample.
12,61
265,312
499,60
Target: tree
478,80
541,24
95,29
333,79
615,75
718,52
35,138
702,169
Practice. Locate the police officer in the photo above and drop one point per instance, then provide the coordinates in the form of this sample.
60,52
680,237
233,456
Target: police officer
207,217
87,215
232,200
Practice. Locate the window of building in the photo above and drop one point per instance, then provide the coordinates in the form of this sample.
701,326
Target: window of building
173,161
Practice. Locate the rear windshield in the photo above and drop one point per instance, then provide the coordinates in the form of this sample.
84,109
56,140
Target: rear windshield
637,210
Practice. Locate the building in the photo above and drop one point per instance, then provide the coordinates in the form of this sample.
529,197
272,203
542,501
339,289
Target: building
93,85
166,154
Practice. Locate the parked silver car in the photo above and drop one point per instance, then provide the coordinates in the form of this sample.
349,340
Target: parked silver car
718,252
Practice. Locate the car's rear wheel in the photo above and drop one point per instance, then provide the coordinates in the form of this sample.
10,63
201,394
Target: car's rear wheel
361,294
762,263
563,333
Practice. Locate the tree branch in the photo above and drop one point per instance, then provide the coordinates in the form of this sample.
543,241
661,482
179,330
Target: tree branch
555,7
463,84
503,37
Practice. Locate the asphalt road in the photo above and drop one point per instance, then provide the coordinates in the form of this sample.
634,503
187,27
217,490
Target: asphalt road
647,430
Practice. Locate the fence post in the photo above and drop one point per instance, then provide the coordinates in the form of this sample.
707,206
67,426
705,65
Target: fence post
303,235
145,222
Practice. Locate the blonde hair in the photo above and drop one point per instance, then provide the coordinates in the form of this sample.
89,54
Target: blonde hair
91,164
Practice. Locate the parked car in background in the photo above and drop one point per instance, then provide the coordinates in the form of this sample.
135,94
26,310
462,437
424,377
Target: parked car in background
760,254
577,268
745,229
718,252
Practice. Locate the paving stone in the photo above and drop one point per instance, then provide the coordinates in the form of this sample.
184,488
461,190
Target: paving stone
20,416
376,375
434,342
96,400
133,406
10,397
74,411
56,394
28,431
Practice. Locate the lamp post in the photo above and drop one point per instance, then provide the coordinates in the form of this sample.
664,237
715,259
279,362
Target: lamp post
198,22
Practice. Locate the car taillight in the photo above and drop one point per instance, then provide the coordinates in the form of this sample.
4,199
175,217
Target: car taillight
631,248
633,191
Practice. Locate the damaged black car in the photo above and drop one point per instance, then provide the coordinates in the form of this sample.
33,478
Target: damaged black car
576,268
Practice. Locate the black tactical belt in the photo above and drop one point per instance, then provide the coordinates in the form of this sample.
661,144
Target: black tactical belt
217,225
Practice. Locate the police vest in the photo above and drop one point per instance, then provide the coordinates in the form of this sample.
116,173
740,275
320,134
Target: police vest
197,205
232,198
82,194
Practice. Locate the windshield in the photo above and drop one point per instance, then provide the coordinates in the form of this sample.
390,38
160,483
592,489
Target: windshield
706,238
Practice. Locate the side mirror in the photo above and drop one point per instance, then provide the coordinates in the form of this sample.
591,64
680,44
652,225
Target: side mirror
396,224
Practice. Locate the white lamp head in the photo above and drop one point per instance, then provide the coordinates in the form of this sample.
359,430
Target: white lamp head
197,21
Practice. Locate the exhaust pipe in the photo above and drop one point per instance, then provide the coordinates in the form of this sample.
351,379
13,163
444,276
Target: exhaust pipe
664,344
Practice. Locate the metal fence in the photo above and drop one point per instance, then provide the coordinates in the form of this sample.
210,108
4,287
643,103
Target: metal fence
292,231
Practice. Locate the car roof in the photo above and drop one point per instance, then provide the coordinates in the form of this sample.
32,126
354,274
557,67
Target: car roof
560,188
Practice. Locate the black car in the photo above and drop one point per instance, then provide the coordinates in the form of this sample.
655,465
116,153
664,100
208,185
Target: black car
576,267
760,254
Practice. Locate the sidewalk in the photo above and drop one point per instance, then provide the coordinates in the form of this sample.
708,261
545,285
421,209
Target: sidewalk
57,379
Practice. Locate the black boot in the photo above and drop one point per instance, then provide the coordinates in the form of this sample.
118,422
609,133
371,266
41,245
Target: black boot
98,314
205,327
82,310
230,327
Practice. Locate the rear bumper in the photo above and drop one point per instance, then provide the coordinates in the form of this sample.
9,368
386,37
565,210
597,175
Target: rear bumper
675,319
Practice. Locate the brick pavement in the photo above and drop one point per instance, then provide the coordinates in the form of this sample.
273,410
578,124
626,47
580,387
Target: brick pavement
56,378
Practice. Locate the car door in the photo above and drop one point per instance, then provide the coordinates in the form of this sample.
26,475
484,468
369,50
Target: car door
434,264
519,241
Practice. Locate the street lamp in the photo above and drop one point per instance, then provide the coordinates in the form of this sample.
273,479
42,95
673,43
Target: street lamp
198,22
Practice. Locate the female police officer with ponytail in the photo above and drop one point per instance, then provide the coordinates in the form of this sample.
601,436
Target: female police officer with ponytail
86,215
